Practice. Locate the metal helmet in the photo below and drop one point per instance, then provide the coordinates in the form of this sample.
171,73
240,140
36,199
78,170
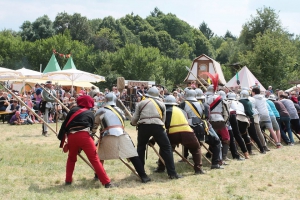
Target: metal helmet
244,94
222,94
210,90
111,99
231,96
185,91
170,100
272,97
245,88
191,95
199,94
153,93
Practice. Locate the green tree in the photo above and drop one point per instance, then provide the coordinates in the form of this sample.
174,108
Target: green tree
202,45
207,32
41,28
79,28
272,59
62,22
266,19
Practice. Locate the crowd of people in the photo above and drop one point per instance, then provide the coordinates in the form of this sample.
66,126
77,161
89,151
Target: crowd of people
225,120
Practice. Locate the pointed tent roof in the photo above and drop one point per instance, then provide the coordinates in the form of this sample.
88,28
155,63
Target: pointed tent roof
70,64
52,65
247,79
217,69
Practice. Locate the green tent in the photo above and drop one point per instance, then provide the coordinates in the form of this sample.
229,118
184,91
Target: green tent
70,64
52,65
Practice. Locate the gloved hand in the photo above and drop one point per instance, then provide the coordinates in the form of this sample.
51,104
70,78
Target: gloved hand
132,124
151,141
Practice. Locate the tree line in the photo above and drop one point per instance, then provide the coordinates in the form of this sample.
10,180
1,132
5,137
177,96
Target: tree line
155,48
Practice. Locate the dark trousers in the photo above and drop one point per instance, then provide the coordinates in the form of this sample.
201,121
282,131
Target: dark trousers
145,131
295,125
253,134
138,165
232,145
245,136
236,133
285,126
190,143
214,143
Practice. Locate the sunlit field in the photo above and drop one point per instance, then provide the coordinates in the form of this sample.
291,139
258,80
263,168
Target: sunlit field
33,167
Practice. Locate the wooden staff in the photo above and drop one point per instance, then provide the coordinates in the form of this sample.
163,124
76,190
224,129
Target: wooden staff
201,144
33,112
203,79
269,138
133,170
161,159
183,158
190,71
253,144
296,134
56,99
28,108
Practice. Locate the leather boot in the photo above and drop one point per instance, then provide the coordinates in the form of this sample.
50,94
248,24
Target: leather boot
246,154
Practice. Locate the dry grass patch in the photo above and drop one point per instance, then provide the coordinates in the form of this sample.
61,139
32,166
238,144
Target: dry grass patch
33,167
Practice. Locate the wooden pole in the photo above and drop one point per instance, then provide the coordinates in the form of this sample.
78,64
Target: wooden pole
33,112
133,170
56,99
183,158
28,108
161,159
190,71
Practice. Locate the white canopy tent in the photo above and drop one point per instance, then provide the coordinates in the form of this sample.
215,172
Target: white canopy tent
247,79
73,75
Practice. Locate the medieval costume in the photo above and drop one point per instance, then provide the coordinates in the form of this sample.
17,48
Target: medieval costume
76,127
115,143
219,114
179,132
47,105
149,116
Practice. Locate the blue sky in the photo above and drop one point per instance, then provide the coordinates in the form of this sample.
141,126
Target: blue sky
220,15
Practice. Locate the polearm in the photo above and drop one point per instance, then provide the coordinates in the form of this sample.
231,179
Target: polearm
203,79
28,108
33,112
56,99
190,71
183,158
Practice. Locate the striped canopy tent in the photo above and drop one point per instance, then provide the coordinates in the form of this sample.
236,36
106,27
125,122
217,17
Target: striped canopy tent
246,78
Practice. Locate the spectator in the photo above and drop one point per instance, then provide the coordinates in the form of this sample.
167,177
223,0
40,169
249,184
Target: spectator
4,103
270,89
24,116
255,85
93,92
16,119
142,90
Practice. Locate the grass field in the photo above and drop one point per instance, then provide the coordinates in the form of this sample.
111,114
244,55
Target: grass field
33,167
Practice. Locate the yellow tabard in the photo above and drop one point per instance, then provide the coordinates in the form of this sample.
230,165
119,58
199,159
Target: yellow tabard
178,122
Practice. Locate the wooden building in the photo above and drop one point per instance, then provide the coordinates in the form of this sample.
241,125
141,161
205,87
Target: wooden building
201,64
